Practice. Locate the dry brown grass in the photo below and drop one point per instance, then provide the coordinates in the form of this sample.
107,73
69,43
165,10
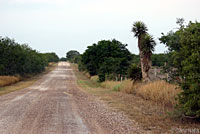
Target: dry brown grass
17,86
87,74
127,86
159,92
95,78
8,80
52,64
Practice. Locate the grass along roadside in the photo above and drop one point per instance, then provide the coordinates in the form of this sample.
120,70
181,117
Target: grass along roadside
150,115
160,92
25,82
8,80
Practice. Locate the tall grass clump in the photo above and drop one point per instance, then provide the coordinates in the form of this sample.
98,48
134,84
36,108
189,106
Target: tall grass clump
111,85
160,92
127,87
8,80
87,74
94,78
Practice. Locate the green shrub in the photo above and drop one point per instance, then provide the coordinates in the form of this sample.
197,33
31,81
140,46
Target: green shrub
185,44
134,72
116,88
190,69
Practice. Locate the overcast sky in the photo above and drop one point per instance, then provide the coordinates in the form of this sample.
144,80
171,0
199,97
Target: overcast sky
63,25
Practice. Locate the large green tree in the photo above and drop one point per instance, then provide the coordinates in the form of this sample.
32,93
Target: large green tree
185,44
146,46
107,59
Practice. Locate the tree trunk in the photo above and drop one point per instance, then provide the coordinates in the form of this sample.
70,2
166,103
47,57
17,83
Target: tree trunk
145,63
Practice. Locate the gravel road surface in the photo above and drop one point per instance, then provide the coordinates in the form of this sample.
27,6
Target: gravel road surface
55,105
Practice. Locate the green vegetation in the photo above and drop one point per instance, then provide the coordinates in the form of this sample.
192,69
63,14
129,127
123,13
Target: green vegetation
111,60
158,60
146,46
185,46
135,59
146,103
107,59
17,59
73,56
63,59
51,57
134,72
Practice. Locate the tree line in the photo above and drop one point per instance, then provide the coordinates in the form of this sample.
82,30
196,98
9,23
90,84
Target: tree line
101,55
20,59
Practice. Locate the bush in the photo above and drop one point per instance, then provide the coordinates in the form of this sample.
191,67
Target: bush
101,77
134,72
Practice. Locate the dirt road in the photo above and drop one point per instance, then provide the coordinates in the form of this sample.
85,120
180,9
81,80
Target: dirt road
54,105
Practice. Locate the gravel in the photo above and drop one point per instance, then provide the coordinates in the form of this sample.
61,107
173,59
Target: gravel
95,111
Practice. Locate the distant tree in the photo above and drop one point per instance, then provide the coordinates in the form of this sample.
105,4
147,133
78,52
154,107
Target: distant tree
135,59
162,59
73,56
158,60
63,59
146,46
51,57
